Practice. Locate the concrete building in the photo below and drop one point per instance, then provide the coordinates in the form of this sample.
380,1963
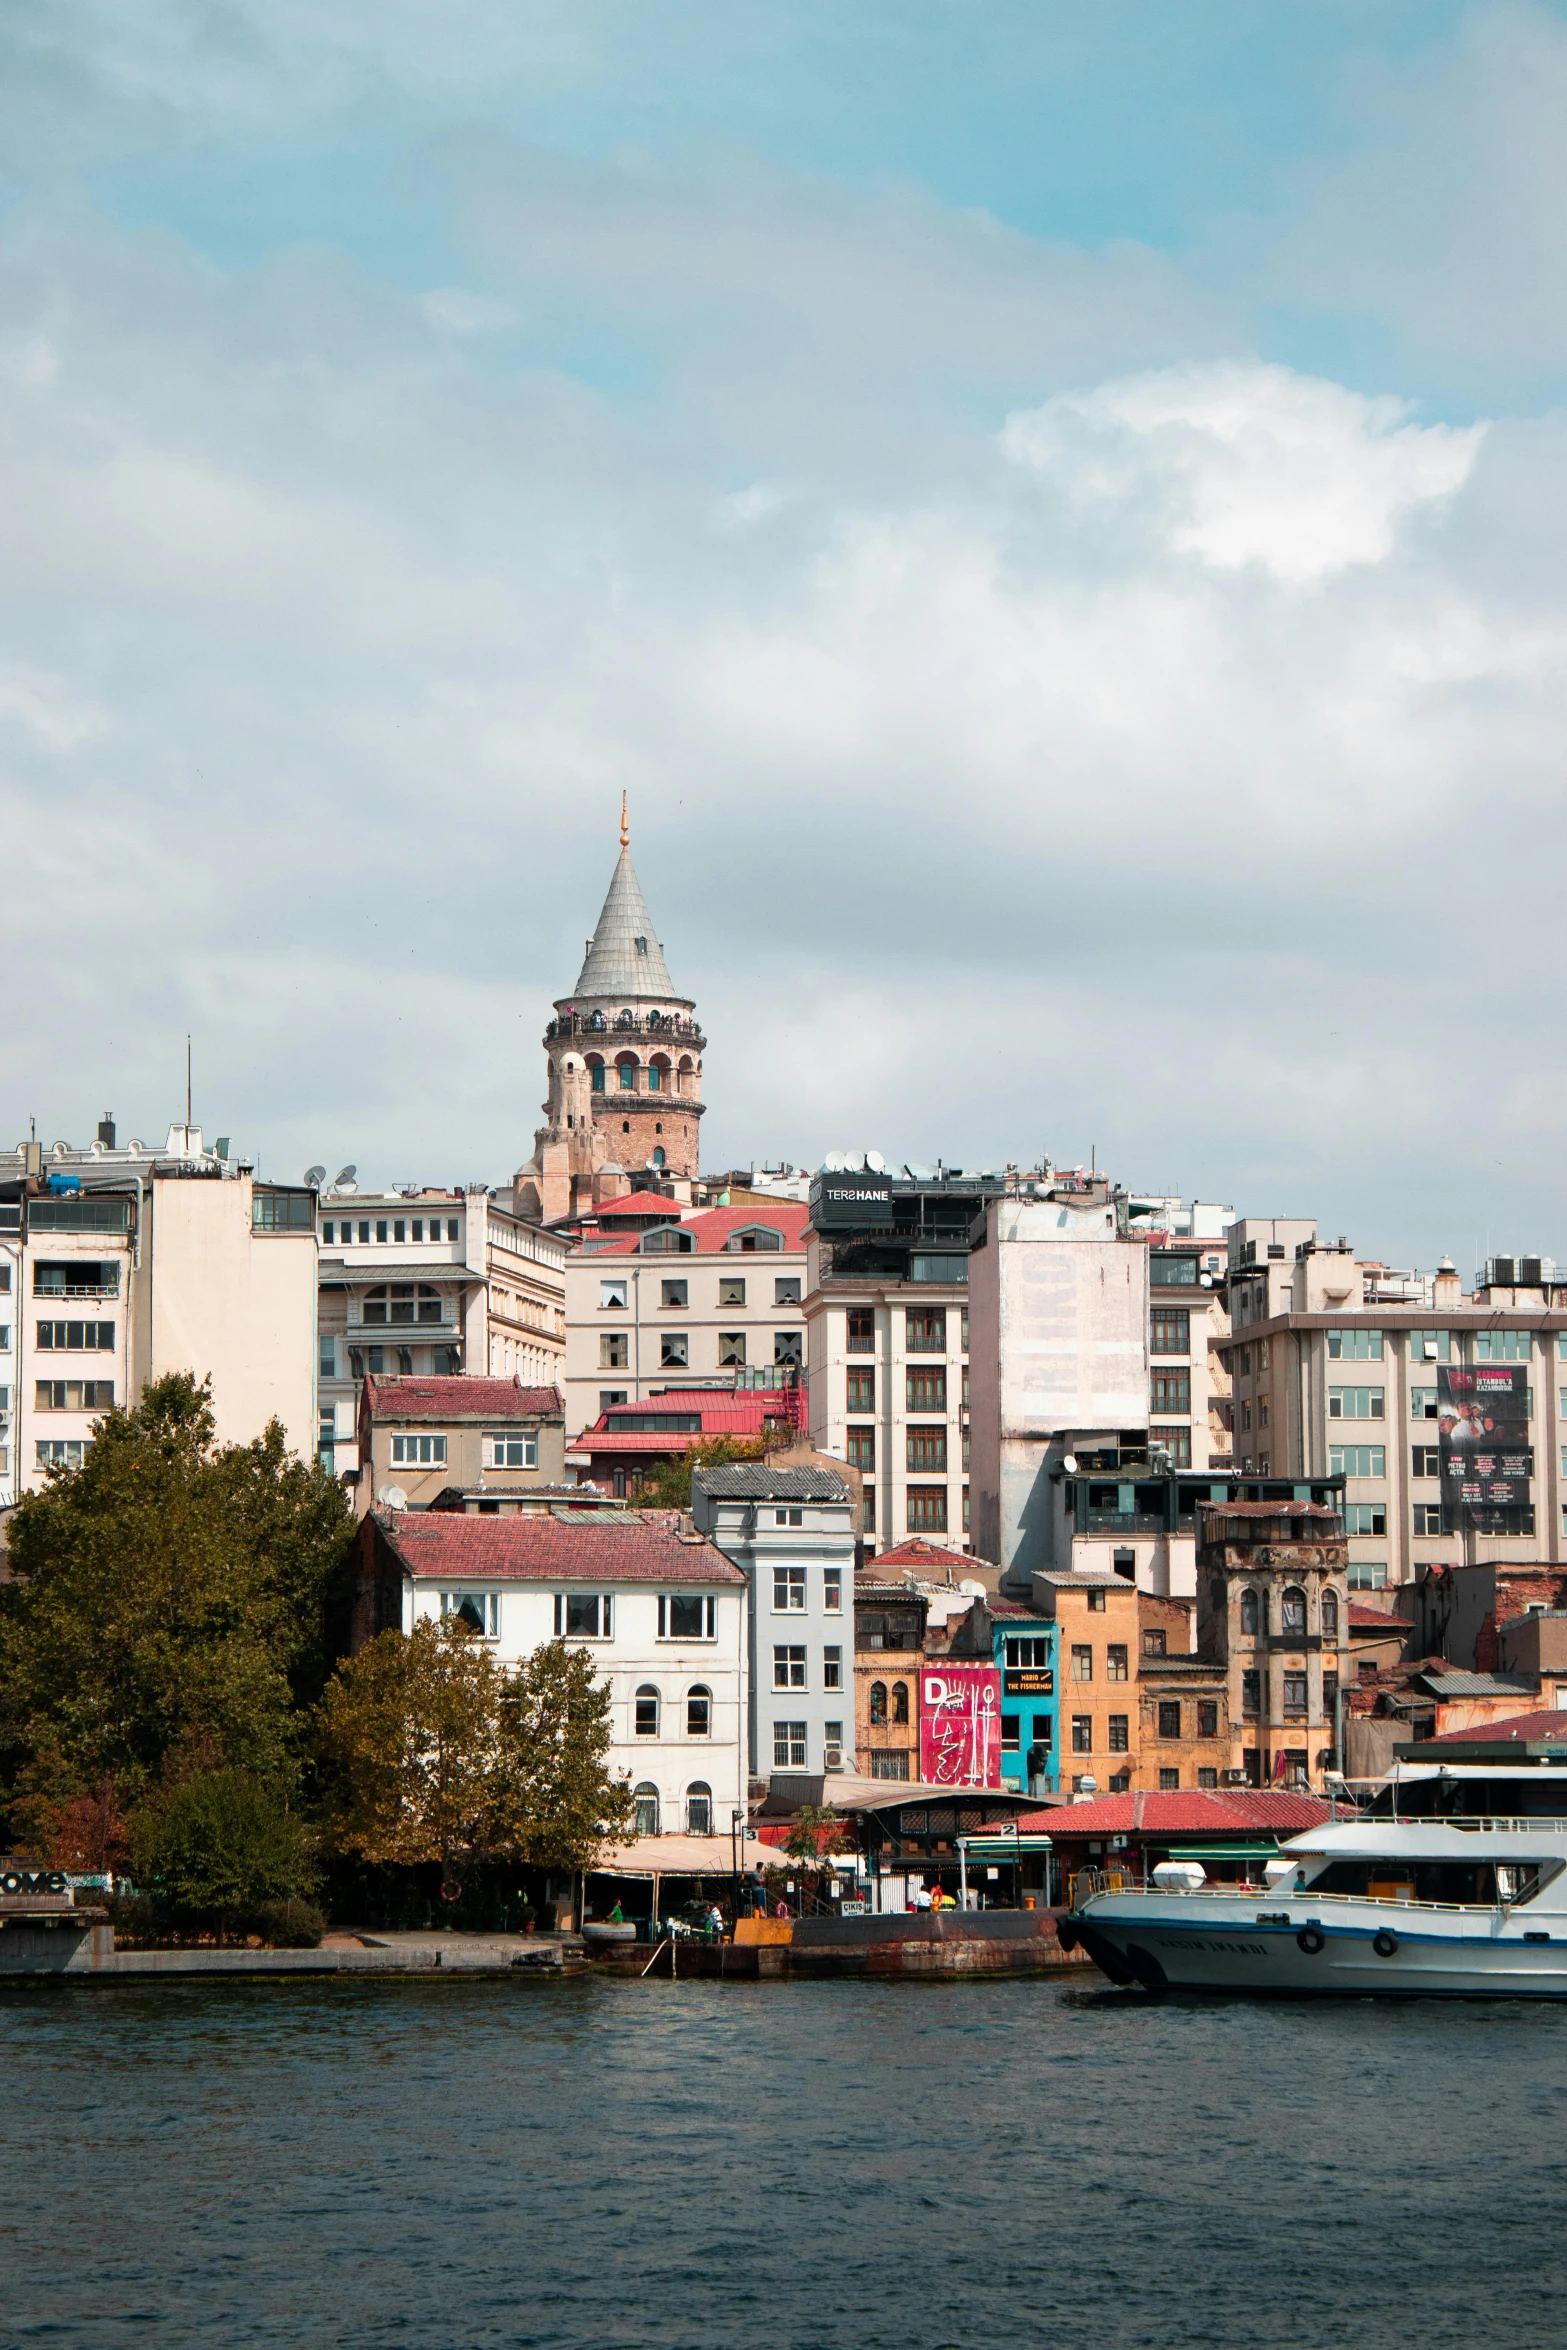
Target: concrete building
427,1438
907,1607
1334,1372
1096,1625
661,1612
430,1284
1189,1405
1273,1608
127,1262
791,1534
660,1294
624,1056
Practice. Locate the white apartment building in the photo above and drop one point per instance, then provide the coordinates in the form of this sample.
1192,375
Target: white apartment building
659,1295
425,1283
791,1533
1335,1367
124,1263
1189,1404
661,1612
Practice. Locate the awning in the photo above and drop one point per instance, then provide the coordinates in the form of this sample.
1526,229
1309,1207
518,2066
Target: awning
1258,1849
1002,1847
685,1856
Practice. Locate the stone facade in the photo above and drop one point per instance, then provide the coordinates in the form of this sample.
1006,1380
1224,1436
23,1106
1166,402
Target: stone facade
1273,1609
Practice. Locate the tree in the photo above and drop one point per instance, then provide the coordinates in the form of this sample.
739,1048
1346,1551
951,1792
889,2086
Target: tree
817,1831
560,1801
219,1849
670,1485
170,1611
412,1730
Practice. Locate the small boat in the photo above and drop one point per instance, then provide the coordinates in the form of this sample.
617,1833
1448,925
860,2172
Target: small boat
1453,1883
602,1930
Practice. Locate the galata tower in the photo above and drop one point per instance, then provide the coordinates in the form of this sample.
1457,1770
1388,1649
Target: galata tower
624,1053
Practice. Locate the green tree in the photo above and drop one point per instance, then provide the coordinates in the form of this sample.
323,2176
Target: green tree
411,1730
669,1487
816,1831
560,1801
218,1849
170,1610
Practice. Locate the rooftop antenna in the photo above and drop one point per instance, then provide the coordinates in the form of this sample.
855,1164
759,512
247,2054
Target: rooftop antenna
625,824
187,1084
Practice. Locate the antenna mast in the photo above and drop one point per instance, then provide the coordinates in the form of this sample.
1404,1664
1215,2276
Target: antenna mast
625,824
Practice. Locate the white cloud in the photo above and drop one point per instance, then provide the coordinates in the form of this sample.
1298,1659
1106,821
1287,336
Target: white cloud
1248,464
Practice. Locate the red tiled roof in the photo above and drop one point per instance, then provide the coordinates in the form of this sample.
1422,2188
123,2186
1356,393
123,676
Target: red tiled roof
712,1227
920,1556
444,1546
1374,1618
1539,1728
460,1399
641,1203
1238,1809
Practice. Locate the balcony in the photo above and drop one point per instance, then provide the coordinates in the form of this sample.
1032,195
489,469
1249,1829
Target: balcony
660,1026
1125,1522
76,1289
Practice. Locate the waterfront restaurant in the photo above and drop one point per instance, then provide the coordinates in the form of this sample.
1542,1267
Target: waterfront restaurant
1232,1833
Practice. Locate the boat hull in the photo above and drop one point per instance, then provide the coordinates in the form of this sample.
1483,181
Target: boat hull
1307,1949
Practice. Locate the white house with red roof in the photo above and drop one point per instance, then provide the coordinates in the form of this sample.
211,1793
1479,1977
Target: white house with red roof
659,1609
687,1298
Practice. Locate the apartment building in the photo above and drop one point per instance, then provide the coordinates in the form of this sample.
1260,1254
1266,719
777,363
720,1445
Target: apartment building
660,1295
429,1284
433,1440
1273,1609
1189,1400
1336,1368
661,1612
1093,1617
121,1263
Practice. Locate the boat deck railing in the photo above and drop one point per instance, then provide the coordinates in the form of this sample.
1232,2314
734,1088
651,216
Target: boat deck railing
1253,1895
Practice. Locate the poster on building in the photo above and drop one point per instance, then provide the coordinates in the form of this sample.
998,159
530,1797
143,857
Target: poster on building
1482,1419
960,1726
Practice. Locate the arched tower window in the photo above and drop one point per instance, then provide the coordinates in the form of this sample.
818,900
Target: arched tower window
1251,1614
647,1711
878,1701
626,1072
658,1158
645,1798
699,1712
596,1072
1292,1612
1330,1615
900,1701
699,1808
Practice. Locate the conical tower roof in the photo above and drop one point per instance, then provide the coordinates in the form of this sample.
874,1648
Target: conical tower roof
624,956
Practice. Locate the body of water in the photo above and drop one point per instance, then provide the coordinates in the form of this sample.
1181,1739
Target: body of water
607,2165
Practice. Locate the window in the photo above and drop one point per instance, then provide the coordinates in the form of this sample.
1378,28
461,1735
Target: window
418,1452
614,1350
1355,1346
1251,1693
1011,1735
1355,1403
77,1337
61,1453
832,1746
1422,1403
926,1386
793,1517
925,1331
1028,1655
1116,1662
74,1395
595,1076
1367,1575
1294,1693
1207,1717
610,1396
787,1345
889,1765
731,1349
1156,1643
1330,1615
674,1352
613,1294
832,1668
900,1701
862,1391
927,1509
73,1277
403,1301
683,1617
788,1668
1207,1776
1082,1733
584,1615
674,1293
786,1289
1119,1734
1177,1443
860,1330
788,1746
626,1075
1168,1781
862,1449
1171,1332
504,1450
480,1611
1172,1391
1044,1731
731,1289
1359,1460
789,1591
927,1451
1431,1346
1365,1517
832,1590
878,1701
1120,1781
655,1077
1082,1661
1427,1517
326,1357
699,1711
283,1211
647,1711
1292,1612
1096,1603
1502,1346
645,1798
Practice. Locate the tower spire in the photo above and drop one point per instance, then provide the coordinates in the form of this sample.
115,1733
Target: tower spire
625,824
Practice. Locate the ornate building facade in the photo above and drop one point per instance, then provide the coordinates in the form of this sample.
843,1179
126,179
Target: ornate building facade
624,1054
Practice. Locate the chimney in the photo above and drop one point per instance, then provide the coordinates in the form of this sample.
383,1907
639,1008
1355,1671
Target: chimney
106,1130
1446,1289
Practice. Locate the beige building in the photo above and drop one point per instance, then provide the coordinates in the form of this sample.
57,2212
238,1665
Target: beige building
125,1263
431,1284
485,1439
1334,1376
660,1295
1273,1608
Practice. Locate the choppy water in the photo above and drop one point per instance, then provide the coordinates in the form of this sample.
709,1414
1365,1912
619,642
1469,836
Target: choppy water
603,2165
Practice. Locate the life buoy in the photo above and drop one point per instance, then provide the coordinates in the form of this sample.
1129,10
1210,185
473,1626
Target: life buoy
1385,1944
1311,1939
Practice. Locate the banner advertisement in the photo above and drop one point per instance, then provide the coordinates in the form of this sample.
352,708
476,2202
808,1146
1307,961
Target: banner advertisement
960,1726
1482,1418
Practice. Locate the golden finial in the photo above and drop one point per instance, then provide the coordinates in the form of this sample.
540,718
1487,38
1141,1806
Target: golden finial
625,824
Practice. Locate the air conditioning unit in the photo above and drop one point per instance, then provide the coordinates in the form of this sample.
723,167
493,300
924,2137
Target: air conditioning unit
1233,1778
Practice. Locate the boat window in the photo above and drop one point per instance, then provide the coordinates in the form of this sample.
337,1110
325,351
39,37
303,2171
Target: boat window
1452,1883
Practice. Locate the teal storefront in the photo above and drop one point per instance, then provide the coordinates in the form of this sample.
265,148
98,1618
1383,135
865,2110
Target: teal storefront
1025,1651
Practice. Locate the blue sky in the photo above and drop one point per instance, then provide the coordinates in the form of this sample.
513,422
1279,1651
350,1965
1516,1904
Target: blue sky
1051,513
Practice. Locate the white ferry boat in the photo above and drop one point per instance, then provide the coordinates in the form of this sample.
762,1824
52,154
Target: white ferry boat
1453,1881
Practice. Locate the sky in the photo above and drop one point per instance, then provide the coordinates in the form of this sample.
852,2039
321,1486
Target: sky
1053,516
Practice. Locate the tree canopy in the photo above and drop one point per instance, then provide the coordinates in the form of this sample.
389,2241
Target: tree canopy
669,1487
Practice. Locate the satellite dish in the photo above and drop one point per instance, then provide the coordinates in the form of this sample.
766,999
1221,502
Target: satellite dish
970,1589
1069,1463
343,1180
1206,1280
314,1178
393,1498
875,1161
834,1163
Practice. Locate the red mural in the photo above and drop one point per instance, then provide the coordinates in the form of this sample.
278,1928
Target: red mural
960,1726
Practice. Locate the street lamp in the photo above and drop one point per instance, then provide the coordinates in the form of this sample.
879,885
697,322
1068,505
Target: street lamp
735,1818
